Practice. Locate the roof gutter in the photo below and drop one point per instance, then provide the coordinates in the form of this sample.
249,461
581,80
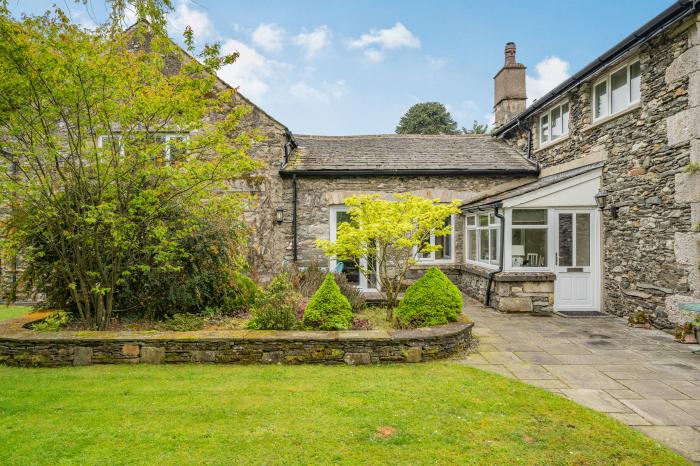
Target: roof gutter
334,173
671,15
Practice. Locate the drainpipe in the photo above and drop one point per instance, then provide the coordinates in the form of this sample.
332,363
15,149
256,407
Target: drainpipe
500,261
294,218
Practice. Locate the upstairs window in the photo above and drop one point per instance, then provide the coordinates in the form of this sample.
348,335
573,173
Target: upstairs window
617,91
554,123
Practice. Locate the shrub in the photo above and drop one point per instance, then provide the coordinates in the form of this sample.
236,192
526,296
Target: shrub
52,323
432,300
638,318
357,299
244,292
184,323
275,308
328,308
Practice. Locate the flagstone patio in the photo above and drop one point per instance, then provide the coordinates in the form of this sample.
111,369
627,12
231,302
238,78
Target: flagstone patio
641,377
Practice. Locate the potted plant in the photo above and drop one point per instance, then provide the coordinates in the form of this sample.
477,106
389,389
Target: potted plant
687,333
639,319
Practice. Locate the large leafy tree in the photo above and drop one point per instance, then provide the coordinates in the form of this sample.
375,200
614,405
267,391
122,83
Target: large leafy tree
427,118
115,148
390,233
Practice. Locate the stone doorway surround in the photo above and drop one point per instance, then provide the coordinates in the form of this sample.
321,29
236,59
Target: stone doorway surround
641,377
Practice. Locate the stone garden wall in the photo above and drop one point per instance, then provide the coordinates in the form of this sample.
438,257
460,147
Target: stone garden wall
510,291
651,248
20,346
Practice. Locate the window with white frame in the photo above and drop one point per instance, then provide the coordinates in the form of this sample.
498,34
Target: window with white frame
617,91
173,144
446,243
482,238
554,123
529,238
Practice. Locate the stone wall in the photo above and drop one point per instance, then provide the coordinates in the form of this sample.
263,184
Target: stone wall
317,195
22,347
510,291
651,248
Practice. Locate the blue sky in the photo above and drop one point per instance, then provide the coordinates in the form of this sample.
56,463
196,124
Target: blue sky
354,67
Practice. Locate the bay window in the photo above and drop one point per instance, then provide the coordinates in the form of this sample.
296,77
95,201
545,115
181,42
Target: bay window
617,91
529,238
554,123
482,239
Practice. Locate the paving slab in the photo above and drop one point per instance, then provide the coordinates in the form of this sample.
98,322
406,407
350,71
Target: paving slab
625,394
689,388
654,389
685,440
631,419
582,376
691,407
662,413
596,399
537,357
526,371
547,383
499,357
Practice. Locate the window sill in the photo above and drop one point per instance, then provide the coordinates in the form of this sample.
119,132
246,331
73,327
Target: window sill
549,145
614,116
428,264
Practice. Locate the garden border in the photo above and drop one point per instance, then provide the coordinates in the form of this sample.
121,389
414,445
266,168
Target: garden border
20,346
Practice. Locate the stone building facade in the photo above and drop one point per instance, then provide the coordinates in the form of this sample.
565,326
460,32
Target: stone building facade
650,224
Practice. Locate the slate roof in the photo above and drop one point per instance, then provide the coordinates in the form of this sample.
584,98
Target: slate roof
529,187
405,154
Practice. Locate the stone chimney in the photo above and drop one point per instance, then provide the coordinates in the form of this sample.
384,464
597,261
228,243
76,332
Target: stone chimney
509,88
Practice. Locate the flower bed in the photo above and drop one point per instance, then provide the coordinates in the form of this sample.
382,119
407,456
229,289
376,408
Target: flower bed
20,346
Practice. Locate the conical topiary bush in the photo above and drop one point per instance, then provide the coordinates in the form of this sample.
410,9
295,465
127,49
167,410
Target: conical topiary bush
432,300
328,308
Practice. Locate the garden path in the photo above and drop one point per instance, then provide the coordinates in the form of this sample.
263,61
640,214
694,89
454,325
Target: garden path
642,377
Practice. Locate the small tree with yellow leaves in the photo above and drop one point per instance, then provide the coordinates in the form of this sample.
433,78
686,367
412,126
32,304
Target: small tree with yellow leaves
390,234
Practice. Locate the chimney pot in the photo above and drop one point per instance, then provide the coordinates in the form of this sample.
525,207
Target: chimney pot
510,54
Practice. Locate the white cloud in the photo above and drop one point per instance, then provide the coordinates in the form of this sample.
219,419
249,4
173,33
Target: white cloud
313,42
250,71
549,73
395,37
374,55
326,93
185,15
269,36
84,20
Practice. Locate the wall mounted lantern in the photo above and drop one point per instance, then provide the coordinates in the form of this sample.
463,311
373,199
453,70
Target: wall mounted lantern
601,200
279,216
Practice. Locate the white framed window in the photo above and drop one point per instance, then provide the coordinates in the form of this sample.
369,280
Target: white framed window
482,238
554,123
617,90
529,235
340,214
446,251
173,149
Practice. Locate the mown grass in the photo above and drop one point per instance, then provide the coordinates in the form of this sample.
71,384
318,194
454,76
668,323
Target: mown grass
438,413
10,312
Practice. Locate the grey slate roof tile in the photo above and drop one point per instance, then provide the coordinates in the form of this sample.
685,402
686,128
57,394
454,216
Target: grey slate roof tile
397,152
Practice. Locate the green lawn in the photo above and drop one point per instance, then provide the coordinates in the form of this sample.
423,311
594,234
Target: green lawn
9,312
438,413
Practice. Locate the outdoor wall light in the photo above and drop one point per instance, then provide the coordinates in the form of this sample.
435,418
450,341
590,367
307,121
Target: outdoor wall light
601,200
279,216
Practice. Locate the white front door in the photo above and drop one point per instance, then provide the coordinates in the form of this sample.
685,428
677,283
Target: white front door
576,260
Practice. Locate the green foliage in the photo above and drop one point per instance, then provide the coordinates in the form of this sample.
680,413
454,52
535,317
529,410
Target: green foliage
97,207
692,168
244,293
184,323
328,309
427,118
52,323
308,279
477,128
638,318
275,308
399,228
432,300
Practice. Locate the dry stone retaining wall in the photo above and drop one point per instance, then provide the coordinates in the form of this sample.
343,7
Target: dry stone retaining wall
22,347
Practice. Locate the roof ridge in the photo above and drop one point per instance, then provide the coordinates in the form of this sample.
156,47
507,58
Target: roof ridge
396,136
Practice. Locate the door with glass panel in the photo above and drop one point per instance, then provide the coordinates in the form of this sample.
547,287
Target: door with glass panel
349,267
575,259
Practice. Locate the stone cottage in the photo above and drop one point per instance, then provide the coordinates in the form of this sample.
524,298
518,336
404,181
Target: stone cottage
580,203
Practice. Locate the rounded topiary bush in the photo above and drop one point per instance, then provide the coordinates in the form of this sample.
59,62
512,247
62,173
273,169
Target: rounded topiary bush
328,308
432,300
